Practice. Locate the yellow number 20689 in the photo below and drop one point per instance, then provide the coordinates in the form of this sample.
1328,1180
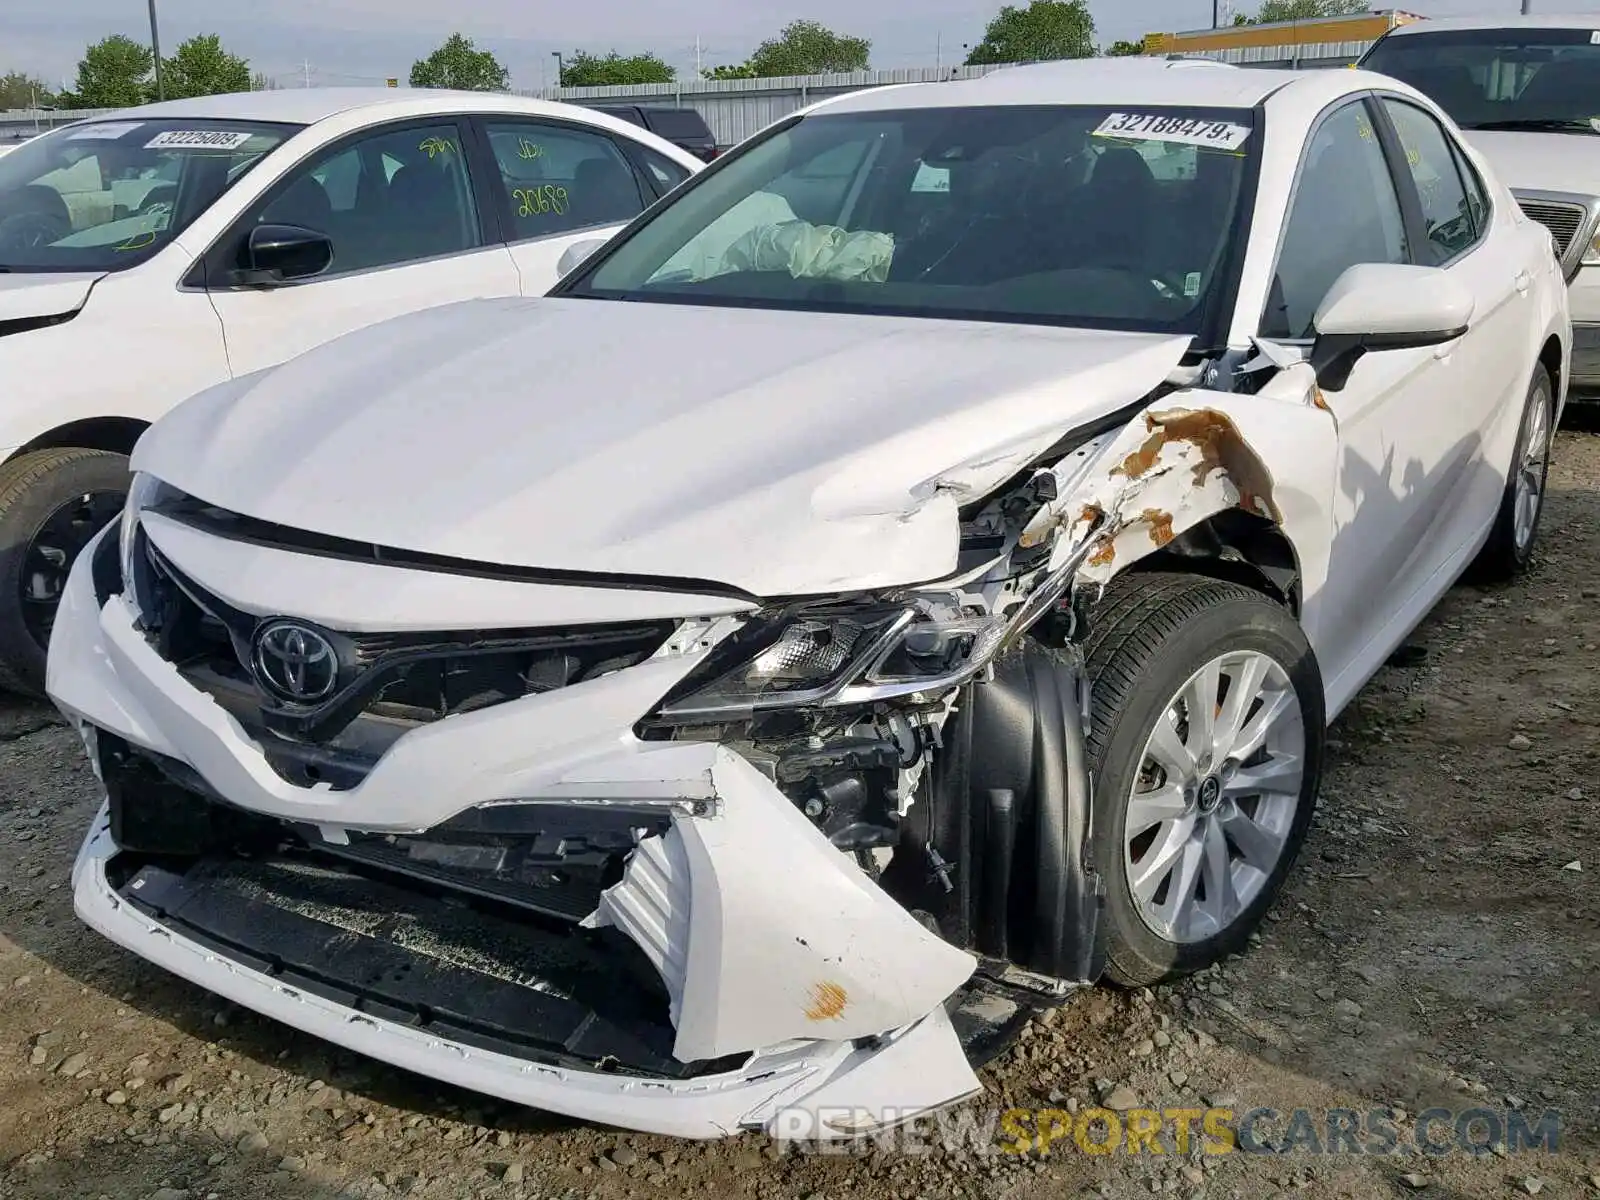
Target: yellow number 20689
537,201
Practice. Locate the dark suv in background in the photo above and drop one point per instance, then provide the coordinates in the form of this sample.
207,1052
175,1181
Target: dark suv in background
681,126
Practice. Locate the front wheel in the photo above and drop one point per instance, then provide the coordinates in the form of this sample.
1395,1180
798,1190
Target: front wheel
1206,754
52,502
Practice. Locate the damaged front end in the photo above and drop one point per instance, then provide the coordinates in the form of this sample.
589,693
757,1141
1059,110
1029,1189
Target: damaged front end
683,873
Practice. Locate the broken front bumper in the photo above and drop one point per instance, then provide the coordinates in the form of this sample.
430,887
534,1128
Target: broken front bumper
788,982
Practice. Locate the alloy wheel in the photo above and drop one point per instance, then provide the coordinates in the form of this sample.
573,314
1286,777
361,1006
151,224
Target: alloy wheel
1214,801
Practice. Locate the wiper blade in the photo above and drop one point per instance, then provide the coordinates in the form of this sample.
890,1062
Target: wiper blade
1539,126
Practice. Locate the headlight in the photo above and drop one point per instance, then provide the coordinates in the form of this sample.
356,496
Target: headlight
143,492
835,655
1591,256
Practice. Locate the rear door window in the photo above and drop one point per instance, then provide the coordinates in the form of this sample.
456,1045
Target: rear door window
557,178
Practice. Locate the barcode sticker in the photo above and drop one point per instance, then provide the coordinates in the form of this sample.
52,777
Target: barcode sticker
1188,131
198,139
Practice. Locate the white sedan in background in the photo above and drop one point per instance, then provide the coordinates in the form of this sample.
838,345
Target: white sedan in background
149,254
751,743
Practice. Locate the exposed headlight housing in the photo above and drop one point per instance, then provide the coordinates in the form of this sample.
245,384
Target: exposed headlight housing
1591,256
832,654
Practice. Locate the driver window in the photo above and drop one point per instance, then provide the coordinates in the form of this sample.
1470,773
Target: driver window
1345,211
395,197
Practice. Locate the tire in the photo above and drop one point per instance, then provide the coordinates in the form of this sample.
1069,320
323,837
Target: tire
1150,635
1508,552
37,489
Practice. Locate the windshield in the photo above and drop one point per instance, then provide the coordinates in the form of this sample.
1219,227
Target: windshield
1501,78
1097,216
105,195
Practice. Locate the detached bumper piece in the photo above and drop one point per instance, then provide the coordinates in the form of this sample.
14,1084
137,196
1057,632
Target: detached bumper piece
468,932
455,953
421,961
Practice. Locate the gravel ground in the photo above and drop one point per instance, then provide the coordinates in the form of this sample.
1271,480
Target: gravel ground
1438,947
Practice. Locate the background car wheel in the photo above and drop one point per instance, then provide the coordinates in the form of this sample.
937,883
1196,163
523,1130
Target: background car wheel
1206,752
1509,550
52,502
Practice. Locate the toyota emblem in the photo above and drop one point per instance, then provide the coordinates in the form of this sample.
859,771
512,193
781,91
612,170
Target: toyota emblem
294,662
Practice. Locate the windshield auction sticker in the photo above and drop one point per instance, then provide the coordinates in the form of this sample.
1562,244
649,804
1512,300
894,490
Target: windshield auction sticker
1188,131
198,139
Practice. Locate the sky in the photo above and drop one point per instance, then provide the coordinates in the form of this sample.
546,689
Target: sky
333,42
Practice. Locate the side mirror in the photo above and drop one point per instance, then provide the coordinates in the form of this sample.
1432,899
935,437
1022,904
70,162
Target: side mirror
275,253
1380,306
575,255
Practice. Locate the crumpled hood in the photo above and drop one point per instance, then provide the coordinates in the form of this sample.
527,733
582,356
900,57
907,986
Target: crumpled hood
28,294
782,453
1555,162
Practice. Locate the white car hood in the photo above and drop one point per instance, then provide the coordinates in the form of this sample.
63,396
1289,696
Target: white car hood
781,453
28,294
1555,162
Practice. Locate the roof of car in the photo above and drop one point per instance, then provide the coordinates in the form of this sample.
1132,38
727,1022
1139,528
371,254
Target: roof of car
1124,81
306,106
1541,21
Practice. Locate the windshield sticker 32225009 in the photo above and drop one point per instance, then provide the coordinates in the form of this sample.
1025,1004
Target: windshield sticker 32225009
198,139
1189,131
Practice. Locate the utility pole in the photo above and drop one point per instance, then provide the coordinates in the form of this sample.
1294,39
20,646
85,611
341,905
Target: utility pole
561,70
1216,13
699,59
306,66
155,49
938,51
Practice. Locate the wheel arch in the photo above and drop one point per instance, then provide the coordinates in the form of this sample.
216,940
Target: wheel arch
1552,356
117,435
1236,547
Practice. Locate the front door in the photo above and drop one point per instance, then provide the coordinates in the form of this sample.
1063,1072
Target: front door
399,206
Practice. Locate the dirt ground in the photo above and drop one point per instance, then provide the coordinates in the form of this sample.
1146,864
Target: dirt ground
1438,948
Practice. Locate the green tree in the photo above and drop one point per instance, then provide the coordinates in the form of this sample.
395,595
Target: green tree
461,65
808,48
1044,30
581,69
1125,49
18,90
113,73
201,67
1303,10
736,71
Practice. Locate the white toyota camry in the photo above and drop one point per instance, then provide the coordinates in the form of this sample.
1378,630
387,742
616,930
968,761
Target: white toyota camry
156,251
750,738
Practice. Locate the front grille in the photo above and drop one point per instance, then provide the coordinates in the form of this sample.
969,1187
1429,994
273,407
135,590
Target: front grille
386,682
1562,220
